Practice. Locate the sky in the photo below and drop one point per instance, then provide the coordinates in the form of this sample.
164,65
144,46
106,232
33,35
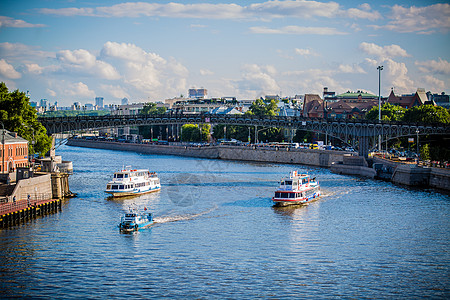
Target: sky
73,50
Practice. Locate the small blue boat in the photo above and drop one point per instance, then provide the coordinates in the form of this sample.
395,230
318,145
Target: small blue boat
132,221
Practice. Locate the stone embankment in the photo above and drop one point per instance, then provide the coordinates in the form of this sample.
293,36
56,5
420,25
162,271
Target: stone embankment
318,158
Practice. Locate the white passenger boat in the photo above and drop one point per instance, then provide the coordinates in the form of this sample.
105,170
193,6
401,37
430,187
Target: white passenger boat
296,189
131,182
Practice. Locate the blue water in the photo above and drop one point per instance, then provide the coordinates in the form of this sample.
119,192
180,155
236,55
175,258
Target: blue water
218,236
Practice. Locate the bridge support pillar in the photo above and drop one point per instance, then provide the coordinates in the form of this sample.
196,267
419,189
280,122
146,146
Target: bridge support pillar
363,149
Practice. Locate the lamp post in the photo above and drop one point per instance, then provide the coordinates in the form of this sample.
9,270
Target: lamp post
418,156
3,148
379,68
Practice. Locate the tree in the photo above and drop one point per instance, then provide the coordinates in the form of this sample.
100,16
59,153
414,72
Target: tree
151,109
191,132
427,114
17,115
389,112
261,108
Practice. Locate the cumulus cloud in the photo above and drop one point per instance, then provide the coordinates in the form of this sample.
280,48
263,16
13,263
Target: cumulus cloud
354,69
34,69
433,83
425,19
397,74
440,67
8,71
383,53
84,62
363,12
115,91
297,30
79,89
10,22
258,79
267,10
146,71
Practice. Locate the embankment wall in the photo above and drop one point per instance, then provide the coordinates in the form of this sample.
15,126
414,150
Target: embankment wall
319,158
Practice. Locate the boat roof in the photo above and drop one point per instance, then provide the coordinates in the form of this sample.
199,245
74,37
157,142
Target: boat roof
295,174
130,171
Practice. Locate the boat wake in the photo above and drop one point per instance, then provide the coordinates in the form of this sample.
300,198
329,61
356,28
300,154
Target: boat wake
176,218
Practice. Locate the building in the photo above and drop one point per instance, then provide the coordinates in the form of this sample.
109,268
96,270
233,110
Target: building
197,93
439,99
43,103
13,151
124,101
313,106
99,101
409,100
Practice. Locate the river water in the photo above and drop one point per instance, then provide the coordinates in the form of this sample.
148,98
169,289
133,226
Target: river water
218,236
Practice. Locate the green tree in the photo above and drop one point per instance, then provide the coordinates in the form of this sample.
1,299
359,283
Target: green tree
191,132
389,112
260,108
151,109
18,116
427,114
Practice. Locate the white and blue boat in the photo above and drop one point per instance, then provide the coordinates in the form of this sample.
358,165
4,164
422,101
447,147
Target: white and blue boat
133,182
296,189
132,221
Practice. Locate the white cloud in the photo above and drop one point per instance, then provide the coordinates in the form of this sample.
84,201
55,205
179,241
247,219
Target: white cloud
397,75
51,92
419,19
441,67
206,72
258,79
305,52
354,69
297,30
146,71
8,71
10,22
266,10
82,61
79,89
383,53
433,83
363,12
114,90
34,69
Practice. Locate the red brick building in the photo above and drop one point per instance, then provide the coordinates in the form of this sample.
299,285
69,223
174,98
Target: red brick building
13,151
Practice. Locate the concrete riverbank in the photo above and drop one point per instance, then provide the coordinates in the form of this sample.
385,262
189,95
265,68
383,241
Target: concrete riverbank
317,158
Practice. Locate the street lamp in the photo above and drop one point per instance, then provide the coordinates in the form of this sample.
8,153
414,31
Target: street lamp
418,156
379,68
3,148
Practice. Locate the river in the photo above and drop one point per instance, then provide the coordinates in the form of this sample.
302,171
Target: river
218,236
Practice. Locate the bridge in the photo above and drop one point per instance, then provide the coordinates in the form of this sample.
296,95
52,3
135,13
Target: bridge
363,134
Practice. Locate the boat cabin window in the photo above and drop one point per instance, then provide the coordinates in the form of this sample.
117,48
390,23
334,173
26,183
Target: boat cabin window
121,187
288,182
126,175
114,187
108,187
118,175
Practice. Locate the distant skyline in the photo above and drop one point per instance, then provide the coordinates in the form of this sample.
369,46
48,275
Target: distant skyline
70,51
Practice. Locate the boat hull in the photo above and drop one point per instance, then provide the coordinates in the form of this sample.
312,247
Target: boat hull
134,227
296,201
117,194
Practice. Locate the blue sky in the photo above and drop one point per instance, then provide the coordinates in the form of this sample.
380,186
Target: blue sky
70,51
